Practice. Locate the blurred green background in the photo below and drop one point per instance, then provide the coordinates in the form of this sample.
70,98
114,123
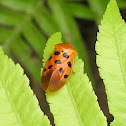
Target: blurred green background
26,25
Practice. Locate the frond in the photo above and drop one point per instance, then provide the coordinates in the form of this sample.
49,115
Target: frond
75,104
18,104
111,60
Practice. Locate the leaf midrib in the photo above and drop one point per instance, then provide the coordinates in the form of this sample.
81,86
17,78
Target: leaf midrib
118,51
74,104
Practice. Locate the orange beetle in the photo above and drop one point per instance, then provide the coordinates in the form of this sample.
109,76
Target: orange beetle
58,67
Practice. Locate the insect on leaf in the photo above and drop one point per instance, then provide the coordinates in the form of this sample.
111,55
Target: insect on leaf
75,104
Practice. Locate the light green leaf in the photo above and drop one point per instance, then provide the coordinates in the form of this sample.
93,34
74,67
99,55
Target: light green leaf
75,104
54,39
111,60
18,104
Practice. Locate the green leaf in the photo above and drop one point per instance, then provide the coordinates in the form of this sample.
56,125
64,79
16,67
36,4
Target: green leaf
98,7
80,11
18,106
34,37
75,104
46,21
20,34
4,34
54,39
20,5
111,60
121,4
31,64
10,18
33,22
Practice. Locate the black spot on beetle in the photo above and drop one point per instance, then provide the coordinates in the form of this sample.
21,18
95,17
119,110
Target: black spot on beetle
50,67
58,62
61,70
44,70
65,55
69,64
65,76
56,53
50,58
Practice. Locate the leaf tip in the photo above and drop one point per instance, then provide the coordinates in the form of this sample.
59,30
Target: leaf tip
55,35
54,39
112,4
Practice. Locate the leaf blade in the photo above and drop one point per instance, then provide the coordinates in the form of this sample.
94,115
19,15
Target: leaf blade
110,48
67,103
17,97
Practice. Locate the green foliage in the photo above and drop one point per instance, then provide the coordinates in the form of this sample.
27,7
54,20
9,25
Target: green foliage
31,23
20,36
111,60
25,26
54,39
93,11
99,6
80,11
75,104
18,104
